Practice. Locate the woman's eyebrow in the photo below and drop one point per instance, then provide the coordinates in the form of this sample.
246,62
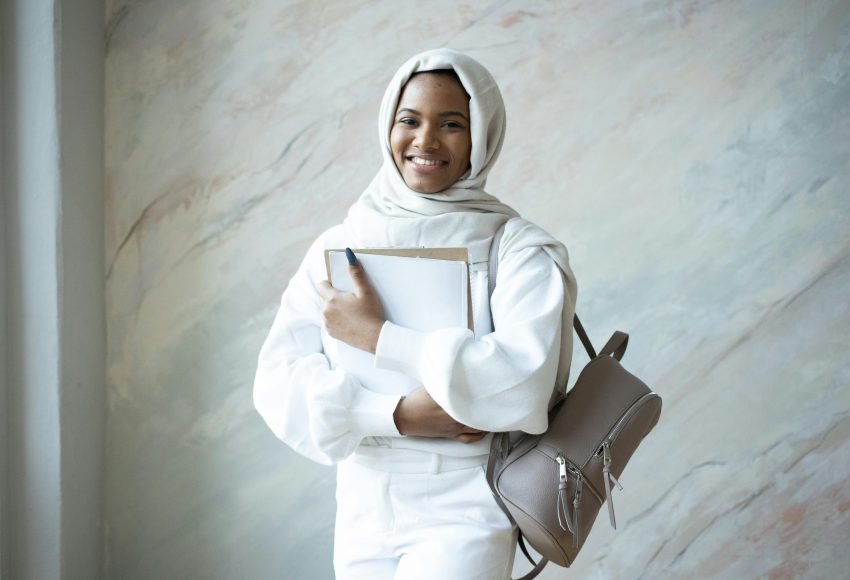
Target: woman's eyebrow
443,114
453,113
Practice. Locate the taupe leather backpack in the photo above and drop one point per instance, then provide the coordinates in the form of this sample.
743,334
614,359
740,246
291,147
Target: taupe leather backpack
553,485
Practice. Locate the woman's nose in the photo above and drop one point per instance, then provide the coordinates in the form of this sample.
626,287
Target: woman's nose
426,139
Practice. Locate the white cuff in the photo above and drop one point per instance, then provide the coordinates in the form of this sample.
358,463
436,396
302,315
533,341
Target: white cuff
371,414
399,349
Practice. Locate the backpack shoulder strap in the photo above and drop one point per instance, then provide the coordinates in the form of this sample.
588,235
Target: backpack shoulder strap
493,266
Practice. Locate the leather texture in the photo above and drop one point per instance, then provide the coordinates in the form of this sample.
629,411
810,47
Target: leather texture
553,485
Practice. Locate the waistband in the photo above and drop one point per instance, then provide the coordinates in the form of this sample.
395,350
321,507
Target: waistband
412,461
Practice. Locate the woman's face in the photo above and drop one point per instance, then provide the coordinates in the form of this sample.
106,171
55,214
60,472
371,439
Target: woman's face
430,138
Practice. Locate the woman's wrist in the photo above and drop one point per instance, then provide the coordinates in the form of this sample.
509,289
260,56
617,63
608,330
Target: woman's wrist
373,335
397,416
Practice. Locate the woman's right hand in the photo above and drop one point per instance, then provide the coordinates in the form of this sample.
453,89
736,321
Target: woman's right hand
419,415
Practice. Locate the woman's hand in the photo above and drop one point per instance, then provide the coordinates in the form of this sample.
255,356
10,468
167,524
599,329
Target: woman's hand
419,415
355,318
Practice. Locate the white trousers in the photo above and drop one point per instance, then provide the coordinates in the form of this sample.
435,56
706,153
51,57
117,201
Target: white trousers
419,526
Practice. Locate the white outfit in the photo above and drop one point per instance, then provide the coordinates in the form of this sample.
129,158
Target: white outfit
415,526
411,507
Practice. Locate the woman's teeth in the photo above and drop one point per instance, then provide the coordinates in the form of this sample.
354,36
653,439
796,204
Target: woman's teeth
420,161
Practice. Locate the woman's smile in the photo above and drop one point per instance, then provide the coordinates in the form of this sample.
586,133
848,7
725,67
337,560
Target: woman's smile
427,163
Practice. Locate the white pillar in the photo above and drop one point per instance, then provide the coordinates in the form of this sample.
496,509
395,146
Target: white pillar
54,337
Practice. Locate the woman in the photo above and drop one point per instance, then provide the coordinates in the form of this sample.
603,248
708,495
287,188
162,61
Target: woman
412,498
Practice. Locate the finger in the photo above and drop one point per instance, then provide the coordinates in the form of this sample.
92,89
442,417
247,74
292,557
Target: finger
358,276
471,431
470,437
326,291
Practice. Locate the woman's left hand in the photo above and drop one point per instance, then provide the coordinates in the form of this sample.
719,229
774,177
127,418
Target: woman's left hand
354,318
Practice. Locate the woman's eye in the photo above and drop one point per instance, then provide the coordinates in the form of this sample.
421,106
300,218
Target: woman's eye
407,121
454,125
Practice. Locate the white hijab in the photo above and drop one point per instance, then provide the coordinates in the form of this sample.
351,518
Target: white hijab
390,214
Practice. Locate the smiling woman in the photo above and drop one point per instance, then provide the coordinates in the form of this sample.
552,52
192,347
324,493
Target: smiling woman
430,139
412,497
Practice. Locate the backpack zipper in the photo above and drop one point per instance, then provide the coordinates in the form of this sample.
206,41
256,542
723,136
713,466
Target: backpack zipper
572,468
605,450
571,522
626,416
565,520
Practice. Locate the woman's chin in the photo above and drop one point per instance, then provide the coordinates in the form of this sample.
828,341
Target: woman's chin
428,191
420,185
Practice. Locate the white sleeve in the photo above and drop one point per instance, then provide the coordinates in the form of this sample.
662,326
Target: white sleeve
504,380
320,412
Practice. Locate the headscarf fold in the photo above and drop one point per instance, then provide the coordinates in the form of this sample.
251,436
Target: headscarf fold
390,214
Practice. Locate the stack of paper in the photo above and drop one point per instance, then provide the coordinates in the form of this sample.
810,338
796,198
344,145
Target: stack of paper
419,293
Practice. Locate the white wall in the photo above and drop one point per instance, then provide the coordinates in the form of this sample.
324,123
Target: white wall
53,285
693,156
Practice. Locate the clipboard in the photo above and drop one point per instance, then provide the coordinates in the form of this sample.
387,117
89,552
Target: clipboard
451,254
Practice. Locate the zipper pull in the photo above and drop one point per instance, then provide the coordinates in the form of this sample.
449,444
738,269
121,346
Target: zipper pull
606,448
614,479
577,511
561,507
562,471
607,477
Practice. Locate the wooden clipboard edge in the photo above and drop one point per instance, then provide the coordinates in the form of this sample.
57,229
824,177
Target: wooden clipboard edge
451,254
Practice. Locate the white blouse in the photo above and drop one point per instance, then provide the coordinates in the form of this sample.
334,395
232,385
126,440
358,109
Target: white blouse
498,380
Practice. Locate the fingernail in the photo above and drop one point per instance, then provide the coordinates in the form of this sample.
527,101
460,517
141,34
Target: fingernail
350,255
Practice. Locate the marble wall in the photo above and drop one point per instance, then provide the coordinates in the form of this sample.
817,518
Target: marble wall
693,155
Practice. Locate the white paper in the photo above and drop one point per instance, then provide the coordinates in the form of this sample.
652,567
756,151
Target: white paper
417,293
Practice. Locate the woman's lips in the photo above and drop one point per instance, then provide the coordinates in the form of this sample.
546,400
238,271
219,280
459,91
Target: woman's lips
426,164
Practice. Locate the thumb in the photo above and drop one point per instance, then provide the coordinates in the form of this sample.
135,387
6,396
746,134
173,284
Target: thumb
361,281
